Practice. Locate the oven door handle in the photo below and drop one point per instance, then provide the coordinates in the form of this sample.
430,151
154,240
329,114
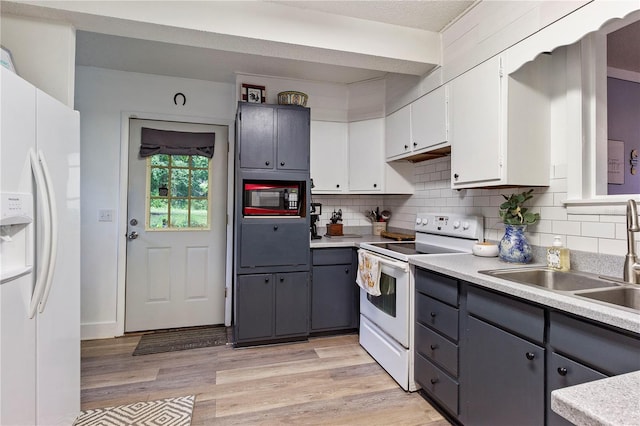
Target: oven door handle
404,266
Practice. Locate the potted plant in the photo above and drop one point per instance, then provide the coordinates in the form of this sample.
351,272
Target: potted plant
514,247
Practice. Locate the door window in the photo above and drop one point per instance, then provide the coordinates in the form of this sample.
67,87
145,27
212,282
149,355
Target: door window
177,192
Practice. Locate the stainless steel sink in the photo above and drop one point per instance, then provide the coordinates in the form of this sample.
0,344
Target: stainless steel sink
626,297
552,279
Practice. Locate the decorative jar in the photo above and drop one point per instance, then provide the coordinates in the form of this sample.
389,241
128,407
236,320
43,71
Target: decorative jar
514,247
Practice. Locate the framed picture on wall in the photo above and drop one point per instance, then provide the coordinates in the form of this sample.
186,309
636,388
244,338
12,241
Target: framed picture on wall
253,94
615,163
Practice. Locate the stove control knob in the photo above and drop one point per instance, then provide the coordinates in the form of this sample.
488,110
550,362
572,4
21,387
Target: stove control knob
425,221
456,224
418,221
465,225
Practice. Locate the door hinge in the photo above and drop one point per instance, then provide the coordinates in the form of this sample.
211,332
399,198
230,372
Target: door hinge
225,292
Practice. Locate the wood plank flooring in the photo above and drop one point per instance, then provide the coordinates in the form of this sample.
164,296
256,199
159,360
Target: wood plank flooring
327,380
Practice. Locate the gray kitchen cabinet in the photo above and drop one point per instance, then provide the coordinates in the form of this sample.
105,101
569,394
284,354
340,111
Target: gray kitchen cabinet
504,361
334,293
273,137
271,307
436,338
272,243
574,360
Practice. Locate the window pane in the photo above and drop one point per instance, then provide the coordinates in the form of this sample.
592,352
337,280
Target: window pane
179,213
180,160
159,179
158,213
199,213
200,162
200,183
180,182
160,160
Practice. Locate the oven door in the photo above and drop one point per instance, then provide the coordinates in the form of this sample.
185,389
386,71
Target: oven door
390,311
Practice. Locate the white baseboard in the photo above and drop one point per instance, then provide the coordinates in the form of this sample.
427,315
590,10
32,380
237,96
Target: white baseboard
99,330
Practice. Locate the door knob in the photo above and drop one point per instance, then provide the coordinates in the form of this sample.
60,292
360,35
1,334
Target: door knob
133,235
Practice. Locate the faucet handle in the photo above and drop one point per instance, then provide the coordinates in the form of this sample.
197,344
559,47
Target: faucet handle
632,216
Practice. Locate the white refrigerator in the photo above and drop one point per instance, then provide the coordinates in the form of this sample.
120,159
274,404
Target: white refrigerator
39,257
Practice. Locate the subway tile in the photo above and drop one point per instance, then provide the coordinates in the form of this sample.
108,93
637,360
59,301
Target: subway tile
583,217
582,243
553,213
566,227
598,230
610,246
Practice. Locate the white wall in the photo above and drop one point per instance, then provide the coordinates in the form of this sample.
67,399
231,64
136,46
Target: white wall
103,98
44,54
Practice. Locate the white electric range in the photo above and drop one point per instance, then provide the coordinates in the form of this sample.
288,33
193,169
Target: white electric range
387,321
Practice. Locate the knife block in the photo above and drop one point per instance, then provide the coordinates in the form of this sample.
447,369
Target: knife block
334,229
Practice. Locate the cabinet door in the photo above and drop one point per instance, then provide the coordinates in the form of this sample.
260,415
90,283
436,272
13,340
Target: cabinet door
366,155
254,305
429,120
292,138
333,291
329,156
561,373
292,304
475,120
504,378
274,244
398,133
256,137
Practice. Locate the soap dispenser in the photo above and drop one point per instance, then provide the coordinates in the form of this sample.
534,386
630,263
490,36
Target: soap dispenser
558,256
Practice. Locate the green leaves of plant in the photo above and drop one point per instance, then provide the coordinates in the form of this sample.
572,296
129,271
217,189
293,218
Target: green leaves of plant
513,213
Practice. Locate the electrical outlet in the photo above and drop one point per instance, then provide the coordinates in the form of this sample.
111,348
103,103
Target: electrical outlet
105,215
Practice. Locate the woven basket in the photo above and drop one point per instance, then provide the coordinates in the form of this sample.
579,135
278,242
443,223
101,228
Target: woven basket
292,98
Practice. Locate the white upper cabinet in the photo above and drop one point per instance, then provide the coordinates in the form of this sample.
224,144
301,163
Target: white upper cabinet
368,172
366,160
500,125
419,127
329,147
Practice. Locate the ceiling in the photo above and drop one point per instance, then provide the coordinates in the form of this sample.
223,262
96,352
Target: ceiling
100,49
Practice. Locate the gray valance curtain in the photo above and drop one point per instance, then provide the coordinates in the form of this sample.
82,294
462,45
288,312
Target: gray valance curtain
154,141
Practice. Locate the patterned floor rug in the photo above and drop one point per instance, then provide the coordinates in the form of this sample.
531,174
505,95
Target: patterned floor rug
181,339
164,412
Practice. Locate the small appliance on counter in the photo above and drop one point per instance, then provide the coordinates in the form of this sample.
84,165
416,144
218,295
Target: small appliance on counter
316,211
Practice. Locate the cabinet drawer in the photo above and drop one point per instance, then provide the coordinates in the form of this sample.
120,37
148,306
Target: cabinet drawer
274,244
332,256
437,286
436,383
519,317
437,349
605,350
437,315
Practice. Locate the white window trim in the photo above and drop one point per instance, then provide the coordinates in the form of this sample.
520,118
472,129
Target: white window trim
587,112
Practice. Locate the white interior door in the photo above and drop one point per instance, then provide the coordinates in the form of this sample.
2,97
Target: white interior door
176,242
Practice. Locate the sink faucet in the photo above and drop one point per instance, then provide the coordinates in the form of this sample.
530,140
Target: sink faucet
631,273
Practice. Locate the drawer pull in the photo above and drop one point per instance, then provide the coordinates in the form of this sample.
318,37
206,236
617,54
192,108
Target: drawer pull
346,270
266,163
266,280
562,371
530,355
282,163
433,347
433,314
434,381
275,227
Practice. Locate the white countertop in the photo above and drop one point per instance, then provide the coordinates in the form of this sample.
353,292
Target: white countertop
466,267
613,401
335,242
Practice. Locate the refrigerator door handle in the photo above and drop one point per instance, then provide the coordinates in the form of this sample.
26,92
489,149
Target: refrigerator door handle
53,212
46,239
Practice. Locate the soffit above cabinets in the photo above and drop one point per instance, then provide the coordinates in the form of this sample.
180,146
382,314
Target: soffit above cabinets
180,38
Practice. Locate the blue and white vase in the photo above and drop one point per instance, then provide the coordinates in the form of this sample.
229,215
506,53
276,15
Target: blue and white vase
514,247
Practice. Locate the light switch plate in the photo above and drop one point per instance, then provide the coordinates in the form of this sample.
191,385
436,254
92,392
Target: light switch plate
105,215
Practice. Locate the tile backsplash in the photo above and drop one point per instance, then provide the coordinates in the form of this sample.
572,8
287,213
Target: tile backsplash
601,234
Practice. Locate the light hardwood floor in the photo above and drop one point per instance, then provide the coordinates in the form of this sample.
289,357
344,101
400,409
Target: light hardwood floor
327,380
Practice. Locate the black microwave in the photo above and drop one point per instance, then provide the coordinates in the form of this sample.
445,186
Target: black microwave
272,198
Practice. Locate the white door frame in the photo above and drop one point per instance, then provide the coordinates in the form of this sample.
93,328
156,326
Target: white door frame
122,204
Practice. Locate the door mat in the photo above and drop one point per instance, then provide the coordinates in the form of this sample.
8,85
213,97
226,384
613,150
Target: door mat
181,339
164,412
